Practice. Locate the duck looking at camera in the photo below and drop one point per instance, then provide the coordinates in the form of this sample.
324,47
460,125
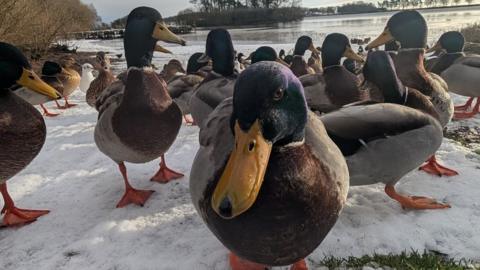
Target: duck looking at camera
104,79
22,128
409,29
383,142
336,86
267,180
218,85
138,121
460,72
299,66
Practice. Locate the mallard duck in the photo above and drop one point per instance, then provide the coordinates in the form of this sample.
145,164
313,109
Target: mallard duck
104,79
50,74
267,180
181,87
69,78
171,70
87,77
383,142
299,66
22,128
336,86
409,29
266,53
138,121
460,72
218,85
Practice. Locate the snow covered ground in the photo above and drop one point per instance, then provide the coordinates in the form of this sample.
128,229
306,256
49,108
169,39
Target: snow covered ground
85,231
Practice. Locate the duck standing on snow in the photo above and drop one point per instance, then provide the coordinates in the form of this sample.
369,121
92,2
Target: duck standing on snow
69,78
267,179
87,77
50,74
104,79
138,121
336,86
22,128
219,83
460,72
299,66
409,29
383,142
181,87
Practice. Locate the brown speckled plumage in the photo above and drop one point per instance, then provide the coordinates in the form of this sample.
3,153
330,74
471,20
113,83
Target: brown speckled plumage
105,78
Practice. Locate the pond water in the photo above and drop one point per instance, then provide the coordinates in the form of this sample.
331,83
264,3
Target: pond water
284,35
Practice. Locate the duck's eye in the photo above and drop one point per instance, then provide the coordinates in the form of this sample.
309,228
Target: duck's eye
278,94
251,146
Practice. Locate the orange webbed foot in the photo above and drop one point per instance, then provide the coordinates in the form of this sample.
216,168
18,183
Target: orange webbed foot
237,263
300,265
134,196
16,216
414,202
433,167
165,174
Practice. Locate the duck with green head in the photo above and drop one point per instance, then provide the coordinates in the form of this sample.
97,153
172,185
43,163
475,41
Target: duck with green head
267,180
22,128
266,53
299,66
409,29
336,86
218,85
382,142
461,72
138,121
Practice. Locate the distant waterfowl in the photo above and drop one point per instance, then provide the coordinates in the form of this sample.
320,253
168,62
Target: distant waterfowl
138,121
104,79
336,86
409,29
171,70
267,180
460,72
181,87
266,53
22,128
299,66
218,85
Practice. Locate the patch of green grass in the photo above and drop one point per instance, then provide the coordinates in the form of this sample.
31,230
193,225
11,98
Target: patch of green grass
412,260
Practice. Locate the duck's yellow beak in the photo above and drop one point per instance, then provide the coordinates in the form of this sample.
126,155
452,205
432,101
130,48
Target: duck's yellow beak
435,48
161,49
31,81
350,54
242,178
161,32
382,39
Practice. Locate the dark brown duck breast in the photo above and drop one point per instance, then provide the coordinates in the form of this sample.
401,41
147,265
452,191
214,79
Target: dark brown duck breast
302,204
22,134
147,120
342,86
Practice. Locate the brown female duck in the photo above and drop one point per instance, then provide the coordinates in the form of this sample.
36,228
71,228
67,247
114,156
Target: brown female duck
104,79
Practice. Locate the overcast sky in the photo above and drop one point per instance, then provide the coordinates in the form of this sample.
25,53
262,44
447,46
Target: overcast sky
110,10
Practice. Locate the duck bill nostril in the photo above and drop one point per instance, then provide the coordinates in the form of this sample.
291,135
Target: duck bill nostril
225,208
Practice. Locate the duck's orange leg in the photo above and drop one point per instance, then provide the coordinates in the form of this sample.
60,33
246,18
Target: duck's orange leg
47,113
67,104
414,202
237,263
135,196
189,120
16,216
465,106
300,265
165,174
433,167
465,114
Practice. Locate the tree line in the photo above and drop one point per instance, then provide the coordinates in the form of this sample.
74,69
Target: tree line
402,4
36,24
219,5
